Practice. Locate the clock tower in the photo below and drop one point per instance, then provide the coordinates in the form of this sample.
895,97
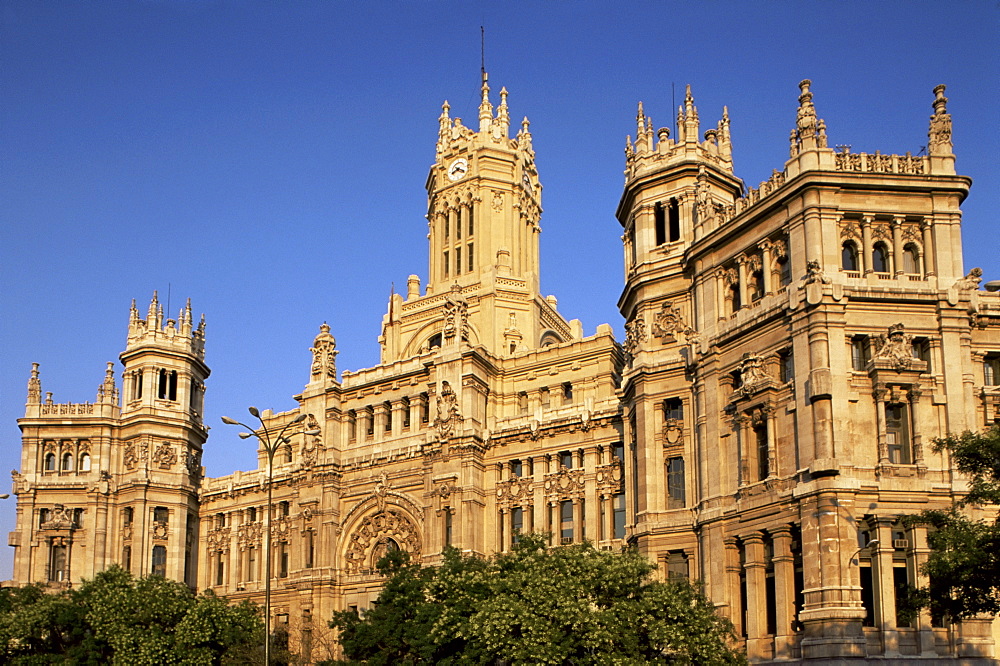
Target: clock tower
483,212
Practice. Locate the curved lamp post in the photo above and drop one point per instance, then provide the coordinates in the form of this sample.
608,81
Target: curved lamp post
271,447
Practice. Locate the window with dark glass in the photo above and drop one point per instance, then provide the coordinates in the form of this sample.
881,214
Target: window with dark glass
619,515
897,433
673,221
849,257
787,368
880,258
677,565
161,514
859,353
516,523
911,259
660,223
516,468
673,409
566,521
566,460
159,567
675,482
763,462
991,370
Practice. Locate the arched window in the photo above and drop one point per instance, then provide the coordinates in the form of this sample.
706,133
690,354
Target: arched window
880,258
784,271
756,286
734,293
85,462
50,462
911,258
67,462
849,257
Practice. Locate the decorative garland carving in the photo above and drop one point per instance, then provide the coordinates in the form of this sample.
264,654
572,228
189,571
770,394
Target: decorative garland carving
515,491
218,540
248,535
669,324
564,484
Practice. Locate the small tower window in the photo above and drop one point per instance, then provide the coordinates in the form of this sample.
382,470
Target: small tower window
406,412
675,483
458,261
522,402
50,462
763,462
787,369
167,385
673,409
85,462
446,264
161,515
660,223
387,411
67,462
425,408
674,221
567,393
471,256
784,271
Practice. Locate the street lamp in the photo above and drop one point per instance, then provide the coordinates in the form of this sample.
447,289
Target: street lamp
271,447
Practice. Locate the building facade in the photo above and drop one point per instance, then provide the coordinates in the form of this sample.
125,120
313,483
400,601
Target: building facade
790,352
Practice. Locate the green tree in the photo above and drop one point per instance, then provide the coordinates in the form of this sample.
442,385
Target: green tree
964,565
536,605
118,619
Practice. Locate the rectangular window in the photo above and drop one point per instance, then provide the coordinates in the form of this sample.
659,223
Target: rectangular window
58,563
566,521
859,352
677,565
447,526
675,483
901,586
220,569
472,254
618,451
159,561
127,558
991,370
763,458
673,409
251,564
310,550
566,460
516,523
161,515
567,393
787,366
282,561
897,434
522,401
516,467
458,261
921,349
445,264
619,509
387,409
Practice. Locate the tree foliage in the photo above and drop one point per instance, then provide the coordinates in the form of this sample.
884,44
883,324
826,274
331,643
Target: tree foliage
536,605
964,564
118,619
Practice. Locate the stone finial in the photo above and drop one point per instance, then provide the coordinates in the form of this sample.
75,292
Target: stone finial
324,353
108,392
809,132
444,127
485,107
34,386
939,134
154,308
524,136
503,116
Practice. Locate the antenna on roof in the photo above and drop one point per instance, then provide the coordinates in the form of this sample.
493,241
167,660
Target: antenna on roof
482,51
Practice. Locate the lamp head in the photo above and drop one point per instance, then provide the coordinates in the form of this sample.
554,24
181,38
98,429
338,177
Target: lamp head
253,412
872,544
229,421
245,435
299,419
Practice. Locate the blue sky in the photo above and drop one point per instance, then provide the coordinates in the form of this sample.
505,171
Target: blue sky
267,159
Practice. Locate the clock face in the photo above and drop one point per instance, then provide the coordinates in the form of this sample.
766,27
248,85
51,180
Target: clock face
458,169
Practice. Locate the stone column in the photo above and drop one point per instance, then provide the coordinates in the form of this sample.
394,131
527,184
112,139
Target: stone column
897,245
577,520
866,244
772,447
736,611
398,407
784,588
916,439
885,593
720,291
921,551
883,445
742,263
765,251
928,259
378,422
753,548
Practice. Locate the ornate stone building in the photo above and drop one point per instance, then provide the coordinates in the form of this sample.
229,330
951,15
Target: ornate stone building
790,351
